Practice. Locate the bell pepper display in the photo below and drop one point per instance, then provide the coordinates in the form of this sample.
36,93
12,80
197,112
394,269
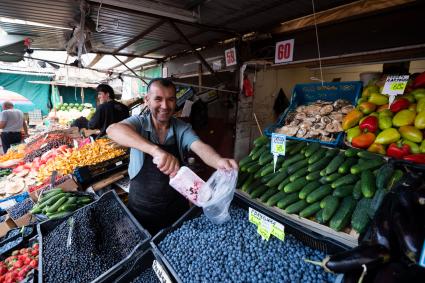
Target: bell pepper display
399,104
385,122
351,119
404,117
367,107
418,158
420,106
353,132
420,120
378,99
414,147
418,93
370,124
398,150
377,148
386,112
411,133
363,140
388,136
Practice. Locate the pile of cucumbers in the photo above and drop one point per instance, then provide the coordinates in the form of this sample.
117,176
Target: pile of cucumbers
331,186
56,203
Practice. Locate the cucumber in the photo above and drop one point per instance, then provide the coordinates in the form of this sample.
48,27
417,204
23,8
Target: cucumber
242,177
318,193
370,165
360,218
357,190
295,186
297,148
331,152
308,189
346,165
300,173
323,174
330,207
313,176
287,200
310,210
257,154
59,215
255,150
397,175
265,158
384,175
368,184
292,160
333,177
257,175
351,152
245,167
319,217
258,192
317,155
311,149
322,180
248,182
272,201
57,204
254,168
261,140
267,170
277,179
343,214
245,160
319,165
376,202
48,194
335,163
68,207
296,207
71,200
52,200
253,186
36,209
296,166
268,194
283,184
325,200
268,177
368,155
343,191
344,180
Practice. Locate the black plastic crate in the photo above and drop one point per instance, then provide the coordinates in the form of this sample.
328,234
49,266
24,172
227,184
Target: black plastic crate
47,226
307,237
16,239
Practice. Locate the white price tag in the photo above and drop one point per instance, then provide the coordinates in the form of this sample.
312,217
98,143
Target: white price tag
230,56
160,272
278,147
284,51
395,85
118,163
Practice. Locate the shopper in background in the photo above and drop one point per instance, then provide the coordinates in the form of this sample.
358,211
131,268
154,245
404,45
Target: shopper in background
158,141
108,111
11,121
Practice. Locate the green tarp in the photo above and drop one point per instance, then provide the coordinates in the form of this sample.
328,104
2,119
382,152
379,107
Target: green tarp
73,95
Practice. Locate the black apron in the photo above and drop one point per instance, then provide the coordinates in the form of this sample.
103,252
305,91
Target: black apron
154,203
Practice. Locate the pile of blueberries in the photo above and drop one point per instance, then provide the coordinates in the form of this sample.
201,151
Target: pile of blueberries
20,209
88,243
200,251
147,276
13,238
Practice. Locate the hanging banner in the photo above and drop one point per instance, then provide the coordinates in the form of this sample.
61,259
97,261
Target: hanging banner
284,51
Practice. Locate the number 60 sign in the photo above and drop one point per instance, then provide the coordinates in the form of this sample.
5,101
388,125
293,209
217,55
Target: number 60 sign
284,51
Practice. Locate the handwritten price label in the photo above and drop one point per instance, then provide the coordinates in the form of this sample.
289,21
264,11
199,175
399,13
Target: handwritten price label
395,85
278,145
266,226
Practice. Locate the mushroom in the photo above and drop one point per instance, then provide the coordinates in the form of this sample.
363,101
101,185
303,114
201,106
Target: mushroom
326,109
336,116
325,120
301,133
347,109
301,116
286,130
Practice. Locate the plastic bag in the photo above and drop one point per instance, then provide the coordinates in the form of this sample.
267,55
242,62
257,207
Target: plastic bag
187,183
216,195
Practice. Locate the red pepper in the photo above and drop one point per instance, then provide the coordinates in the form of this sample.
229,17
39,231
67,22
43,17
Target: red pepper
398,150
364,140
369,124
418,158
399,104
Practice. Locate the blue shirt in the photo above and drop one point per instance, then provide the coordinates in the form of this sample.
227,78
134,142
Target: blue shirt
143,125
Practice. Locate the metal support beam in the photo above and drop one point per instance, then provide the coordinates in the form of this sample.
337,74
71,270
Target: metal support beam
140,35
95,60
130,69
126,54
126,61
200,57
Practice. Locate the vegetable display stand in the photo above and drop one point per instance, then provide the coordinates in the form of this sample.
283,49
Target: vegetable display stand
305,238
93,241
337,238
304,94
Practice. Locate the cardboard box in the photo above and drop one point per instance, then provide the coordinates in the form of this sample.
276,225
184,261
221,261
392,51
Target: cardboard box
69,185
25,220
7,225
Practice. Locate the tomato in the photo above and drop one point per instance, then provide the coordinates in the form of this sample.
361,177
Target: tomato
35,246
22,251
34,252
18,264
34,263
27,261
3,270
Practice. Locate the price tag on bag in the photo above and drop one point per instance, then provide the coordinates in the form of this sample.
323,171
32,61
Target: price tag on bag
160,272
278,147
265,225
395,85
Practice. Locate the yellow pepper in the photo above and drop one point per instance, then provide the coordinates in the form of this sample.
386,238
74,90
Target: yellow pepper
351,119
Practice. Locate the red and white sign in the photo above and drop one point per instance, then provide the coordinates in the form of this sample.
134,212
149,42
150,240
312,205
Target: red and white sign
230,55
284,51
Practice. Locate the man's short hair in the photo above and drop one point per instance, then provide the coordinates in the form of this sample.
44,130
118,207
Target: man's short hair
106,89
163,82
7,105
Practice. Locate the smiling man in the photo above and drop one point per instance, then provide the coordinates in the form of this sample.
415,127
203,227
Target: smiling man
158,141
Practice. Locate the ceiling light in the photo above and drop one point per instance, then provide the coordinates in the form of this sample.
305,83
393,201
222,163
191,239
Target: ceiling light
23,22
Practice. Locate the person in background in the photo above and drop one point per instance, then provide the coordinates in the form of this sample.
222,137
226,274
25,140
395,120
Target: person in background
108,111
158,141
11,121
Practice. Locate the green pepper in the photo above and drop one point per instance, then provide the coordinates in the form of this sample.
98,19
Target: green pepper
353,132
378,99
420,106
368,90
411,133
422,147
404,117
388,136
414,147
386,112
385,122
418,93
420,120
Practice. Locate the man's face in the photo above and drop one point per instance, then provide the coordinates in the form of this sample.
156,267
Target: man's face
161,102
103,96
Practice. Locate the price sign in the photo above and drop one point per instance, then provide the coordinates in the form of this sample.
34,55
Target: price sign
278,145
230,56
266,226
422,259
284,51
395,85
160,272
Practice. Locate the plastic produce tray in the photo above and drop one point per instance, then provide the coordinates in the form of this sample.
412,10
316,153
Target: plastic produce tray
302,234
304,94
47,226
10,201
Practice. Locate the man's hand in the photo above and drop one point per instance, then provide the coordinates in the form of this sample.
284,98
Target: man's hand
166,162
227,164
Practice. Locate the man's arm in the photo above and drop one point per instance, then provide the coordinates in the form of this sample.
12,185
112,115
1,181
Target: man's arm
126,135
24,125
2,124
211,157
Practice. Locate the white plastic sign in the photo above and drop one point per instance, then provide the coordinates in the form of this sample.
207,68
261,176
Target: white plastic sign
278,147
265,225
160,272
284,51
230,56
395,85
